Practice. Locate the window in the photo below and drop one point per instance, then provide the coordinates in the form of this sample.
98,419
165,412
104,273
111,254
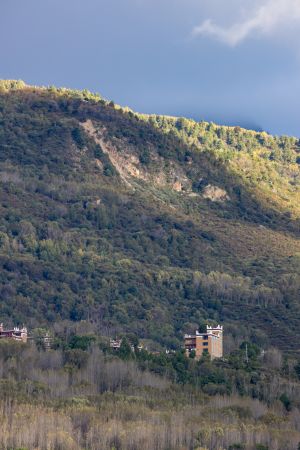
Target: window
205,344
205,337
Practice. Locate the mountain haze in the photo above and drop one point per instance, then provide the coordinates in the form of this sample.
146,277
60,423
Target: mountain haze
145,224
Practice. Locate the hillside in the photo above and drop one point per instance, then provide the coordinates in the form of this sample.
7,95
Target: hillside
145,224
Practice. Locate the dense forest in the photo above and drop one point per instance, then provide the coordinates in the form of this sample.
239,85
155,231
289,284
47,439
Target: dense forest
80,395
145,224
116,224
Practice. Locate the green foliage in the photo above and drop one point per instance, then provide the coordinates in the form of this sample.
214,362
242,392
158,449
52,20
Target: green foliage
192,354
75,358
251,350
125,235
91,387
125,350
297,369
79,137
81,241
81,342
202,327
286,401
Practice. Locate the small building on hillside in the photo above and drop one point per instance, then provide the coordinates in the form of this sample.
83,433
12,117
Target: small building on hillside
48,340
115,344
16,334
210,342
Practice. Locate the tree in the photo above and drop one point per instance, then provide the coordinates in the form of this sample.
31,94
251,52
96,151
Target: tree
286,401
202,327
125,349
192,354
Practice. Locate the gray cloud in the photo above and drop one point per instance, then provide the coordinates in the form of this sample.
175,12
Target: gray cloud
135,52
265,19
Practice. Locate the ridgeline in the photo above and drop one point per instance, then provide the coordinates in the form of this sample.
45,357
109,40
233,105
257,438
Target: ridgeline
145,224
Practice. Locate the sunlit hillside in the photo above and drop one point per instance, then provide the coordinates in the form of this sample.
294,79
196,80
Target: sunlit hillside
148,224
117,224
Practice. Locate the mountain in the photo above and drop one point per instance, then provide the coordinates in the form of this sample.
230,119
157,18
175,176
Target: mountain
145,224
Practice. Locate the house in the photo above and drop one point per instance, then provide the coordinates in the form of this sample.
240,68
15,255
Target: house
47,340
115,344
16,334
210,342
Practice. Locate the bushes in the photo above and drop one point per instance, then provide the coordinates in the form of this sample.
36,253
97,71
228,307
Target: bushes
285,400
150,260
100,398
81,342
79,137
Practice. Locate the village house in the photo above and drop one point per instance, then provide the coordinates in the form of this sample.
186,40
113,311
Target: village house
47,341
115,344
210,342
16,334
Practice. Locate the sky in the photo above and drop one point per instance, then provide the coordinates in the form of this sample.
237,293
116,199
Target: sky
233,62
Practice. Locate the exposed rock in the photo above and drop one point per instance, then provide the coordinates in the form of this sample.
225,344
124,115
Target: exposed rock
99,164
116,159
177,186
128,164
215,194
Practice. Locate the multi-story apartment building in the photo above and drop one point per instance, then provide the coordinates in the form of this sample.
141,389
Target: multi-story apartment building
210,342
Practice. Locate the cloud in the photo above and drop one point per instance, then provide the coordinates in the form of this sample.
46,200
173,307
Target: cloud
265,20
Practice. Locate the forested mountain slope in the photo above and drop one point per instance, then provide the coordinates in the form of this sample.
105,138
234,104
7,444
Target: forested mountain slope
145,224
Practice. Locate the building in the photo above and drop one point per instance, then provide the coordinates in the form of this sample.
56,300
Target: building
16,334
115,344
47,340
210,342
